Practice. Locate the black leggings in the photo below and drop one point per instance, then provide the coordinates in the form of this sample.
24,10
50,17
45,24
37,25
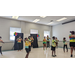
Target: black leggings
0,50
64,47
29,48
48,44
19,46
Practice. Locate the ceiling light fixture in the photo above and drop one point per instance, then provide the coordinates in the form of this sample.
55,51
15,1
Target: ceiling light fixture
49,23
36,20
62,19
43,16
15,17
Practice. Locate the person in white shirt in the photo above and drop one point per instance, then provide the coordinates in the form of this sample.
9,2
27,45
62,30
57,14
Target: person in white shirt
1,41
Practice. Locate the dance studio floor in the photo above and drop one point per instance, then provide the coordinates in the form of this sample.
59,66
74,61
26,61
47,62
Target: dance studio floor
37,53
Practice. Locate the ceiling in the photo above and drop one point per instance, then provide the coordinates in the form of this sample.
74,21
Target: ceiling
45,20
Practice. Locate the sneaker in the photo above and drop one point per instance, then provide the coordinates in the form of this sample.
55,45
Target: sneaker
55,55
71,55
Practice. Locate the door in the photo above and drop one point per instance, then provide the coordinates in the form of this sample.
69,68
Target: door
35,42
15,43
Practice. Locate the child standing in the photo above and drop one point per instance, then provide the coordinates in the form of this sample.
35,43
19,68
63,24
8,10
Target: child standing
65,44
44,44
53,46
48,41
27,47
72,41
1,41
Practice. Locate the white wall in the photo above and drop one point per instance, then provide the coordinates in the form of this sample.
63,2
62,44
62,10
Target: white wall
5,25
61,31
40,28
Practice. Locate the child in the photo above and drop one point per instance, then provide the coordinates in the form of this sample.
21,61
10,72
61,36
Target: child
19,43
1,45
65,44
48,41
56,42
30,39
53,46
44,44
27,47
72,41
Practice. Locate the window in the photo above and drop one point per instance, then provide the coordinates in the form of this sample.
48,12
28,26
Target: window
46,33
33,31
12,31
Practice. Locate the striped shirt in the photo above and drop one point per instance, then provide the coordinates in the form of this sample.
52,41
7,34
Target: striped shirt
72,39
44,41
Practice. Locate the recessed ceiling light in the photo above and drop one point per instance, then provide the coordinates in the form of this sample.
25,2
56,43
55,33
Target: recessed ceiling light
49,23
36,20
62,19
43,16
15,17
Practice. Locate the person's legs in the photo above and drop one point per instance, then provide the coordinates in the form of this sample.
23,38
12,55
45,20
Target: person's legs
54,52
57,45
18,46
74,46
30,48
71,51
43,47
0,50
47,44
27,55
27,50
66,48
71,46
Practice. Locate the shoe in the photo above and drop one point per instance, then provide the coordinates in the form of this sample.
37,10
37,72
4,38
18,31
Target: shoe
71,55
54,55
